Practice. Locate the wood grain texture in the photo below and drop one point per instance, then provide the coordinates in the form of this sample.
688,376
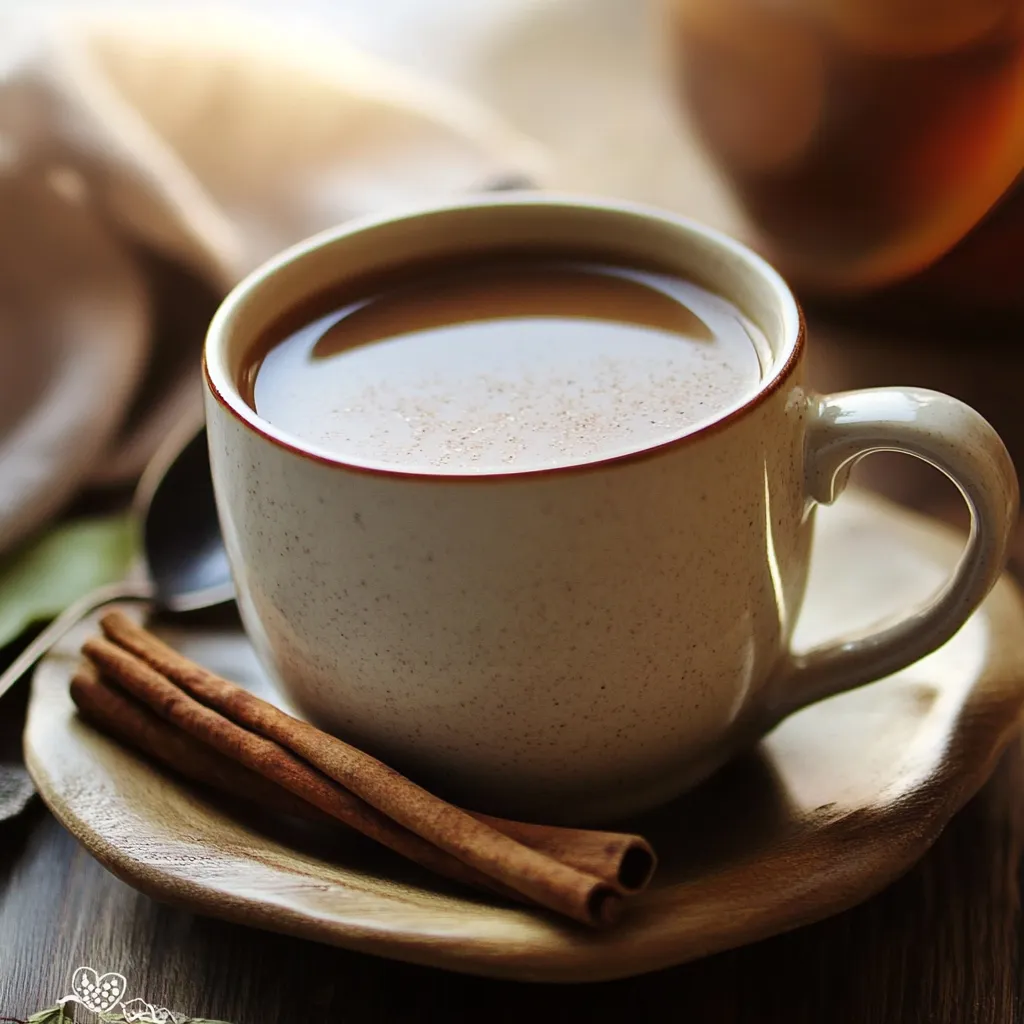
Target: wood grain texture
838,801
939,946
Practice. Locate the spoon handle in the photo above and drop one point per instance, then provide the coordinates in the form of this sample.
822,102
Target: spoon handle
123,590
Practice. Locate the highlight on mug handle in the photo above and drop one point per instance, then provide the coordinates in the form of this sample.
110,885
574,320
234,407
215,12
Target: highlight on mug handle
956,440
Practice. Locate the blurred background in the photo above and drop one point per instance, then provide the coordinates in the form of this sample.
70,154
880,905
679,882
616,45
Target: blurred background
152,152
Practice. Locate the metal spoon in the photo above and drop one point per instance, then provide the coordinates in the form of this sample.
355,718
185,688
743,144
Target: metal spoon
186,566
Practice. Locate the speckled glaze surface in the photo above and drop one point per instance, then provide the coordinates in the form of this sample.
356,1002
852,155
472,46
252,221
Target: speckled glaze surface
580,643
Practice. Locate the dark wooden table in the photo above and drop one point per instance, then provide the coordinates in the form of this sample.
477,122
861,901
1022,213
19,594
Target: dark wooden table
941,945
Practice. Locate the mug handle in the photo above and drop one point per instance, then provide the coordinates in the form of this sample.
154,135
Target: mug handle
949,435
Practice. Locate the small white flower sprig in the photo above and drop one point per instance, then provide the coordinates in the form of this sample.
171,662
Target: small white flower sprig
103,996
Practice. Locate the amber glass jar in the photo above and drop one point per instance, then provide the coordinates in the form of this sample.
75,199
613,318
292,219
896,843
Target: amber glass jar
864,138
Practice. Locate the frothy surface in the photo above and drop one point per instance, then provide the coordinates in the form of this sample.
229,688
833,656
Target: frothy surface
510,367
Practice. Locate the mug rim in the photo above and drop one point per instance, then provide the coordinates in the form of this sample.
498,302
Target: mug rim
224,389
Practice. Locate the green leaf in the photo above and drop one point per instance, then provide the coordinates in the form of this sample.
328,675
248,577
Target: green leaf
38,581
53,1015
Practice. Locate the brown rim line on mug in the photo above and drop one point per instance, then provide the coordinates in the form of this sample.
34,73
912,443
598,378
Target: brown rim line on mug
696,561
243,412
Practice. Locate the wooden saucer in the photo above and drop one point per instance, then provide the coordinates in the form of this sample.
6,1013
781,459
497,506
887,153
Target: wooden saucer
835,804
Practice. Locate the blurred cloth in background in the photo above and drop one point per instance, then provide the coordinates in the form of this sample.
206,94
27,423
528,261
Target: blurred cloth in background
149,160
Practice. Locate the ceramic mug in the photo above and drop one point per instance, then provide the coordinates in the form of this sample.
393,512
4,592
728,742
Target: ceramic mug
579,643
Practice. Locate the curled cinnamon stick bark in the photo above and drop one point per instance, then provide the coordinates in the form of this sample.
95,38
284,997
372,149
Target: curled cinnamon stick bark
145,671
268,759
113,712
623,860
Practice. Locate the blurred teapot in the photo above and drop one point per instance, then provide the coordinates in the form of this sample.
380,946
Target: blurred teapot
865,139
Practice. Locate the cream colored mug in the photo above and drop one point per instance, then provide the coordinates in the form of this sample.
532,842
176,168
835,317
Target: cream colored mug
582,643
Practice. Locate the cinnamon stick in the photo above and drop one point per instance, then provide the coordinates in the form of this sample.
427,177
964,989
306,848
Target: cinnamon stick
623,860
270,760
109,709
267,740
